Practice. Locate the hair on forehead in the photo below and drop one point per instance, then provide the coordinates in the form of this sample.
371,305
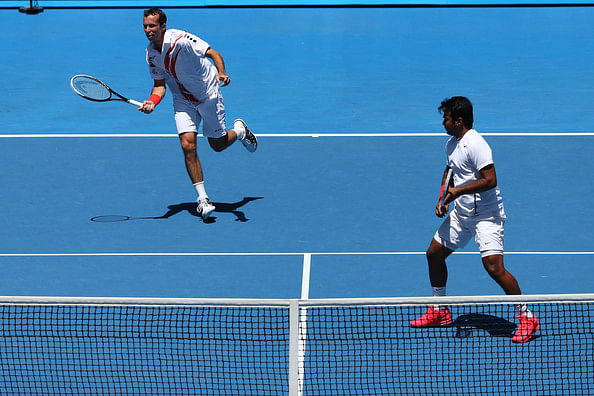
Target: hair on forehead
156,11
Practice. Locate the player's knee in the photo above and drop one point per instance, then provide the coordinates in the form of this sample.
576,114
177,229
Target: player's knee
188,147
188,144
494,268
218,144
436,251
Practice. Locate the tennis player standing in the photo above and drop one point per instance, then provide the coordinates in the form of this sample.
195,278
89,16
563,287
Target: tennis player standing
478,212
179,60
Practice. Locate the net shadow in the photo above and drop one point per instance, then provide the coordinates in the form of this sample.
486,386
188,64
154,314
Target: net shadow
493,325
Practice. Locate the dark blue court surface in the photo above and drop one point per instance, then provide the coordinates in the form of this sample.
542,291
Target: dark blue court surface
294,71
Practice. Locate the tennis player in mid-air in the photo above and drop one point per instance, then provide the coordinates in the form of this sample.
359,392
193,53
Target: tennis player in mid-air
179,60
478,213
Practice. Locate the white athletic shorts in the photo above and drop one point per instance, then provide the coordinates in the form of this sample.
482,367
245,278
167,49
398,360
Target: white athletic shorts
456,231
211,112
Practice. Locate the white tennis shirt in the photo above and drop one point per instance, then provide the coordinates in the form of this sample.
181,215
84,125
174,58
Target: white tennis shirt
466,157
183,65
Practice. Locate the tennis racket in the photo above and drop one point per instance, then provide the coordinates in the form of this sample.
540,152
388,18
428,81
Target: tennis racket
448,181
96,90
117,218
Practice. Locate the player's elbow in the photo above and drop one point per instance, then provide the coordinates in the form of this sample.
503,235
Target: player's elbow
491,183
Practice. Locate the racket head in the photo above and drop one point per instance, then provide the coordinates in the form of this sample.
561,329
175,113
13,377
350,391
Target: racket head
448,181
90,88
110,218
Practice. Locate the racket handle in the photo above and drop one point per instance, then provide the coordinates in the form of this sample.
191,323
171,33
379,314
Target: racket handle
134,102
446,186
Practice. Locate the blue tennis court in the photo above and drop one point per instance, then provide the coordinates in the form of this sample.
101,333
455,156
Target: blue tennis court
344,102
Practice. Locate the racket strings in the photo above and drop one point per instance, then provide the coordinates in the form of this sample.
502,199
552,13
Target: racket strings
90,88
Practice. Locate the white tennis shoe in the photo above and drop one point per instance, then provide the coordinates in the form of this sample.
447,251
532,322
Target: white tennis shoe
205,208
250,142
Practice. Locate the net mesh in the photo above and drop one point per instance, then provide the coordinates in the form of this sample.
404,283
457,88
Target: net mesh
364,348
374,351
136,350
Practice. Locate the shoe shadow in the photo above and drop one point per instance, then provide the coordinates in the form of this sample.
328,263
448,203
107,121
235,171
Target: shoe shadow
220,207
495,326
190,208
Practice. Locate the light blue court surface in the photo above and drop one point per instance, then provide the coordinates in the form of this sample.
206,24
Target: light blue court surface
295,73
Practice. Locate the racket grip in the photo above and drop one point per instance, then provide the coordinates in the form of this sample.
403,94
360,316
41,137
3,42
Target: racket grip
134,102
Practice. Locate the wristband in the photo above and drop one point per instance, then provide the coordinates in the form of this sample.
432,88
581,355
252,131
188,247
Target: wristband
155,99
441,192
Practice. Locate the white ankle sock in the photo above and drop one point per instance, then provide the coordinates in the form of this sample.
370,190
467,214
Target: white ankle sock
200,190
439,291
239,130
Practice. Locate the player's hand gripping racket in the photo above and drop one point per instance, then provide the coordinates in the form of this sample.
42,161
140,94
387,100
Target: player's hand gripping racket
446,186
96,90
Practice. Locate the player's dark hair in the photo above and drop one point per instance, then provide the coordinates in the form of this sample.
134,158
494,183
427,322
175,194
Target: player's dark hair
458,107
157,11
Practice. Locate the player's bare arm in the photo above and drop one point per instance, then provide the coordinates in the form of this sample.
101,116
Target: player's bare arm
217,58
487,181
159,89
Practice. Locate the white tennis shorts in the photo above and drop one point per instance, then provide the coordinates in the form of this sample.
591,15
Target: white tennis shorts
211,112
456,230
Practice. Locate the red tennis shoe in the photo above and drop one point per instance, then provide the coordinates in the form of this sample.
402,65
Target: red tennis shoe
526,329
433,318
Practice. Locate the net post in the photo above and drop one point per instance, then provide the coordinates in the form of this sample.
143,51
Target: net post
293,347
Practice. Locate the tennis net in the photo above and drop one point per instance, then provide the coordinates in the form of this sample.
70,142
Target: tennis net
108,346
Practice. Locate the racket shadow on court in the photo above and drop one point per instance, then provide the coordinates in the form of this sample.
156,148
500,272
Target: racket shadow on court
495,326
190,208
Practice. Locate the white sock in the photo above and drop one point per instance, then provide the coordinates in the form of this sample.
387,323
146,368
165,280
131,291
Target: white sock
239,130
200,190
439,291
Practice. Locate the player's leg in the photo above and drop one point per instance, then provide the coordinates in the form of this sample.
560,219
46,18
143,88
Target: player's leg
221,143
212,112
239,132
452,234
186,123
436,259
446,240
495,268
489,236
193,165
436,315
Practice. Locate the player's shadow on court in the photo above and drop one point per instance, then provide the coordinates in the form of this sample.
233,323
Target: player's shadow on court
220,207
190,208
495,326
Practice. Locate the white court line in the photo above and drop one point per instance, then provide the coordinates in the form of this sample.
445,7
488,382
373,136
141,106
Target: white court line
305,276
282,135
181,254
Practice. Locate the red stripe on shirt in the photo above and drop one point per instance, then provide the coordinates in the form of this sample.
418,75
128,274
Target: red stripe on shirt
170,66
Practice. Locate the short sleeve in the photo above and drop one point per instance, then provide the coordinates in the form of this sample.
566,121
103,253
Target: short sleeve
481,154
197,45
156,72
